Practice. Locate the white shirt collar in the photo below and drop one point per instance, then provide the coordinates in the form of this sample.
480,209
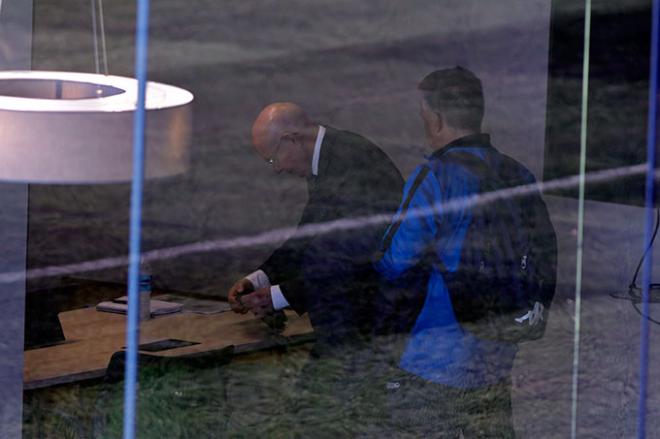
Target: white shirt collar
317,150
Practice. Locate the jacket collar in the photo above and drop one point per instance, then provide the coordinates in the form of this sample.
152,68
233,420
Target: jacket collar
474,140
324,157
317,150
327,151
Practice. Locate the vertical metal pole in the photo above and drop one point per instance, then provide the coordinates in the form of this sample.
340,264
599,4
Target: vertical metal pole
580,227
132,331
648,229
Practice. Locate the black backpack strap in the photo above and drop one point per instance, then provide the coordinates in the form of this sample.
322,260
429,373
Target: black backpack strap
490,181
401,302
505,177
387,241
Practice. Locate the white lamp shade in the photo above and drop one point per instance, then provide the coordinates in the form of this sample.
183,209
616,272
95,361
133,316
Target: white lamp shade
63,127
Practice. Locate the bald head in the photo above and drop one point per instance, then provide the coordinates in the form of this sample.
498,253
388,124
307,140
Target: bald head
283,133
274,121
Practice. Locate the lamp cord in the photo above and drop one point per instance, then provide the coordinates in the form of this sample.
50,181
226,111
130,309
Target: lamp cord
95,32
94,35
103,46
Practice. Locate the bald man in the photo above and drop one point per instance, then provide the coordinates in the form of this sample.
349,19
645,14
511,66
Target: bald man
326,275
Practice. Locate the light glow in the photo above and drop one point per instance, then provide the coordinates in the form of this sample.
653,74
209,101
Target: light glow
158,95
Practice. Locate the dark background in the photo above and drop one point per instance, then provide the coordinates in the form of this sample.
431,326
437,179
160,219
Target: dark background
617,97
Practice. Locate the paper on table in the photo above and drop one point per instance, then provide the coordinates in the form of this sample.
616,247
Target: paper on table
198,306
158,307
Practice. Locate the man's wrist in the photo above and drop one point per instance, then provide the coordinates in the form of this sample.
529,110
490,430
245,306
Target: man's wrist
278,299
259,279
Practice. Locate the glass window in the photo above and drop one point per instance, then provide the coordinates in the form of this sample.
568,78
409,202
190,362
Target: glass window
377,218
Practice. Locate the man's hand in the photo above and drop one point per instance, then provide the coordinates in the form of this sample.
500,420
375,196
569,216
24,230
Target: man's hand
236,293
259,302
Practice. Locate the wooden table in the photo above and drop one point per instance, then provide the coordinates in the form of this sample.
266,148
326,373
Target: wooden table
92,337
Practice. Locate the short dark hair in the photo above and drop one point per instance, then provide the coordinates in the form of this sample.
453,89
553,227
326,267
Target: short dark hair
456,95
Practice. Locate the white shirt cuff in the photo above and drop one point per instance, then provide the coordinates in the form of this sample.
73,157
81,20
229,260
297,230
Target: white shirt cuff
279,301
259,279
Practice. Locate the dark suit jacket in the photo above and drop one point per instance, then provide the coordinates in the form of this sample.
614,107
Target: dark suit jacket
329,275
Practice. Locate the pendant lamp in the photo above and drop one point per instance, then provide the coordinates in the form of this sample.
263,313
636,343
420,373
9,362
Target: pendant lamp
65,127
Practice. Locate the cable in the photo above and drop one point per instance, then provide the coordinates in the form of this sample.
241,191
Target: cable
633,289
650,319
634,292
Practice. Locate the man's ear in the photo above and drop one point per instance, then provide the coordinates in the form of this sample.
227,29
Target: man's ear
298,140
438,122
291,137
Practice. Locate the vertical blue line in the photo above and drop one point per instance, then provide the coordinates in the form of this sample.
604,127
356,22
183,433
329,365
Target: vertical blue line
132,331
649,202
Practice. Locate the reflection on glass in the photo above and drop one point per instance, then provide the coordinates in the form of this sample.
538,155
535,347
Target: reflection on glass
346,358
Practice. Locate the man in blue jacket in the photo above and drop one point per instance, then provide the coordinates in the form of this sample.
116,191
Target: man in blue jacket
449,382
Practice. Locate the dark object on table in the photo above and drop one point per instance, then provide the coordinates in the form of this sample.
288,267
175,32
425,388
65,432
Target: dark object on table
153,364
42,326
276,321
163,345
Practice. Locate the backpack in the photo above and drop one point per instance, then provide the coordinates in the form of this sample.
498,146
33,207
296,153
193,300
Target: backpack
505,280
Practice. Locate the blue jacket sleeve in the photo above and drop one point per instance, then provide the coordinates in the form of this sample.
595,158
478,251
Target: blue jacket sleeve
414,226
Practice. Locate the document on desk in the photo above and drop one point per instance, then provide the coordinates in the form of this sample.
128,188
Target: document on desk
196,305
158,307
